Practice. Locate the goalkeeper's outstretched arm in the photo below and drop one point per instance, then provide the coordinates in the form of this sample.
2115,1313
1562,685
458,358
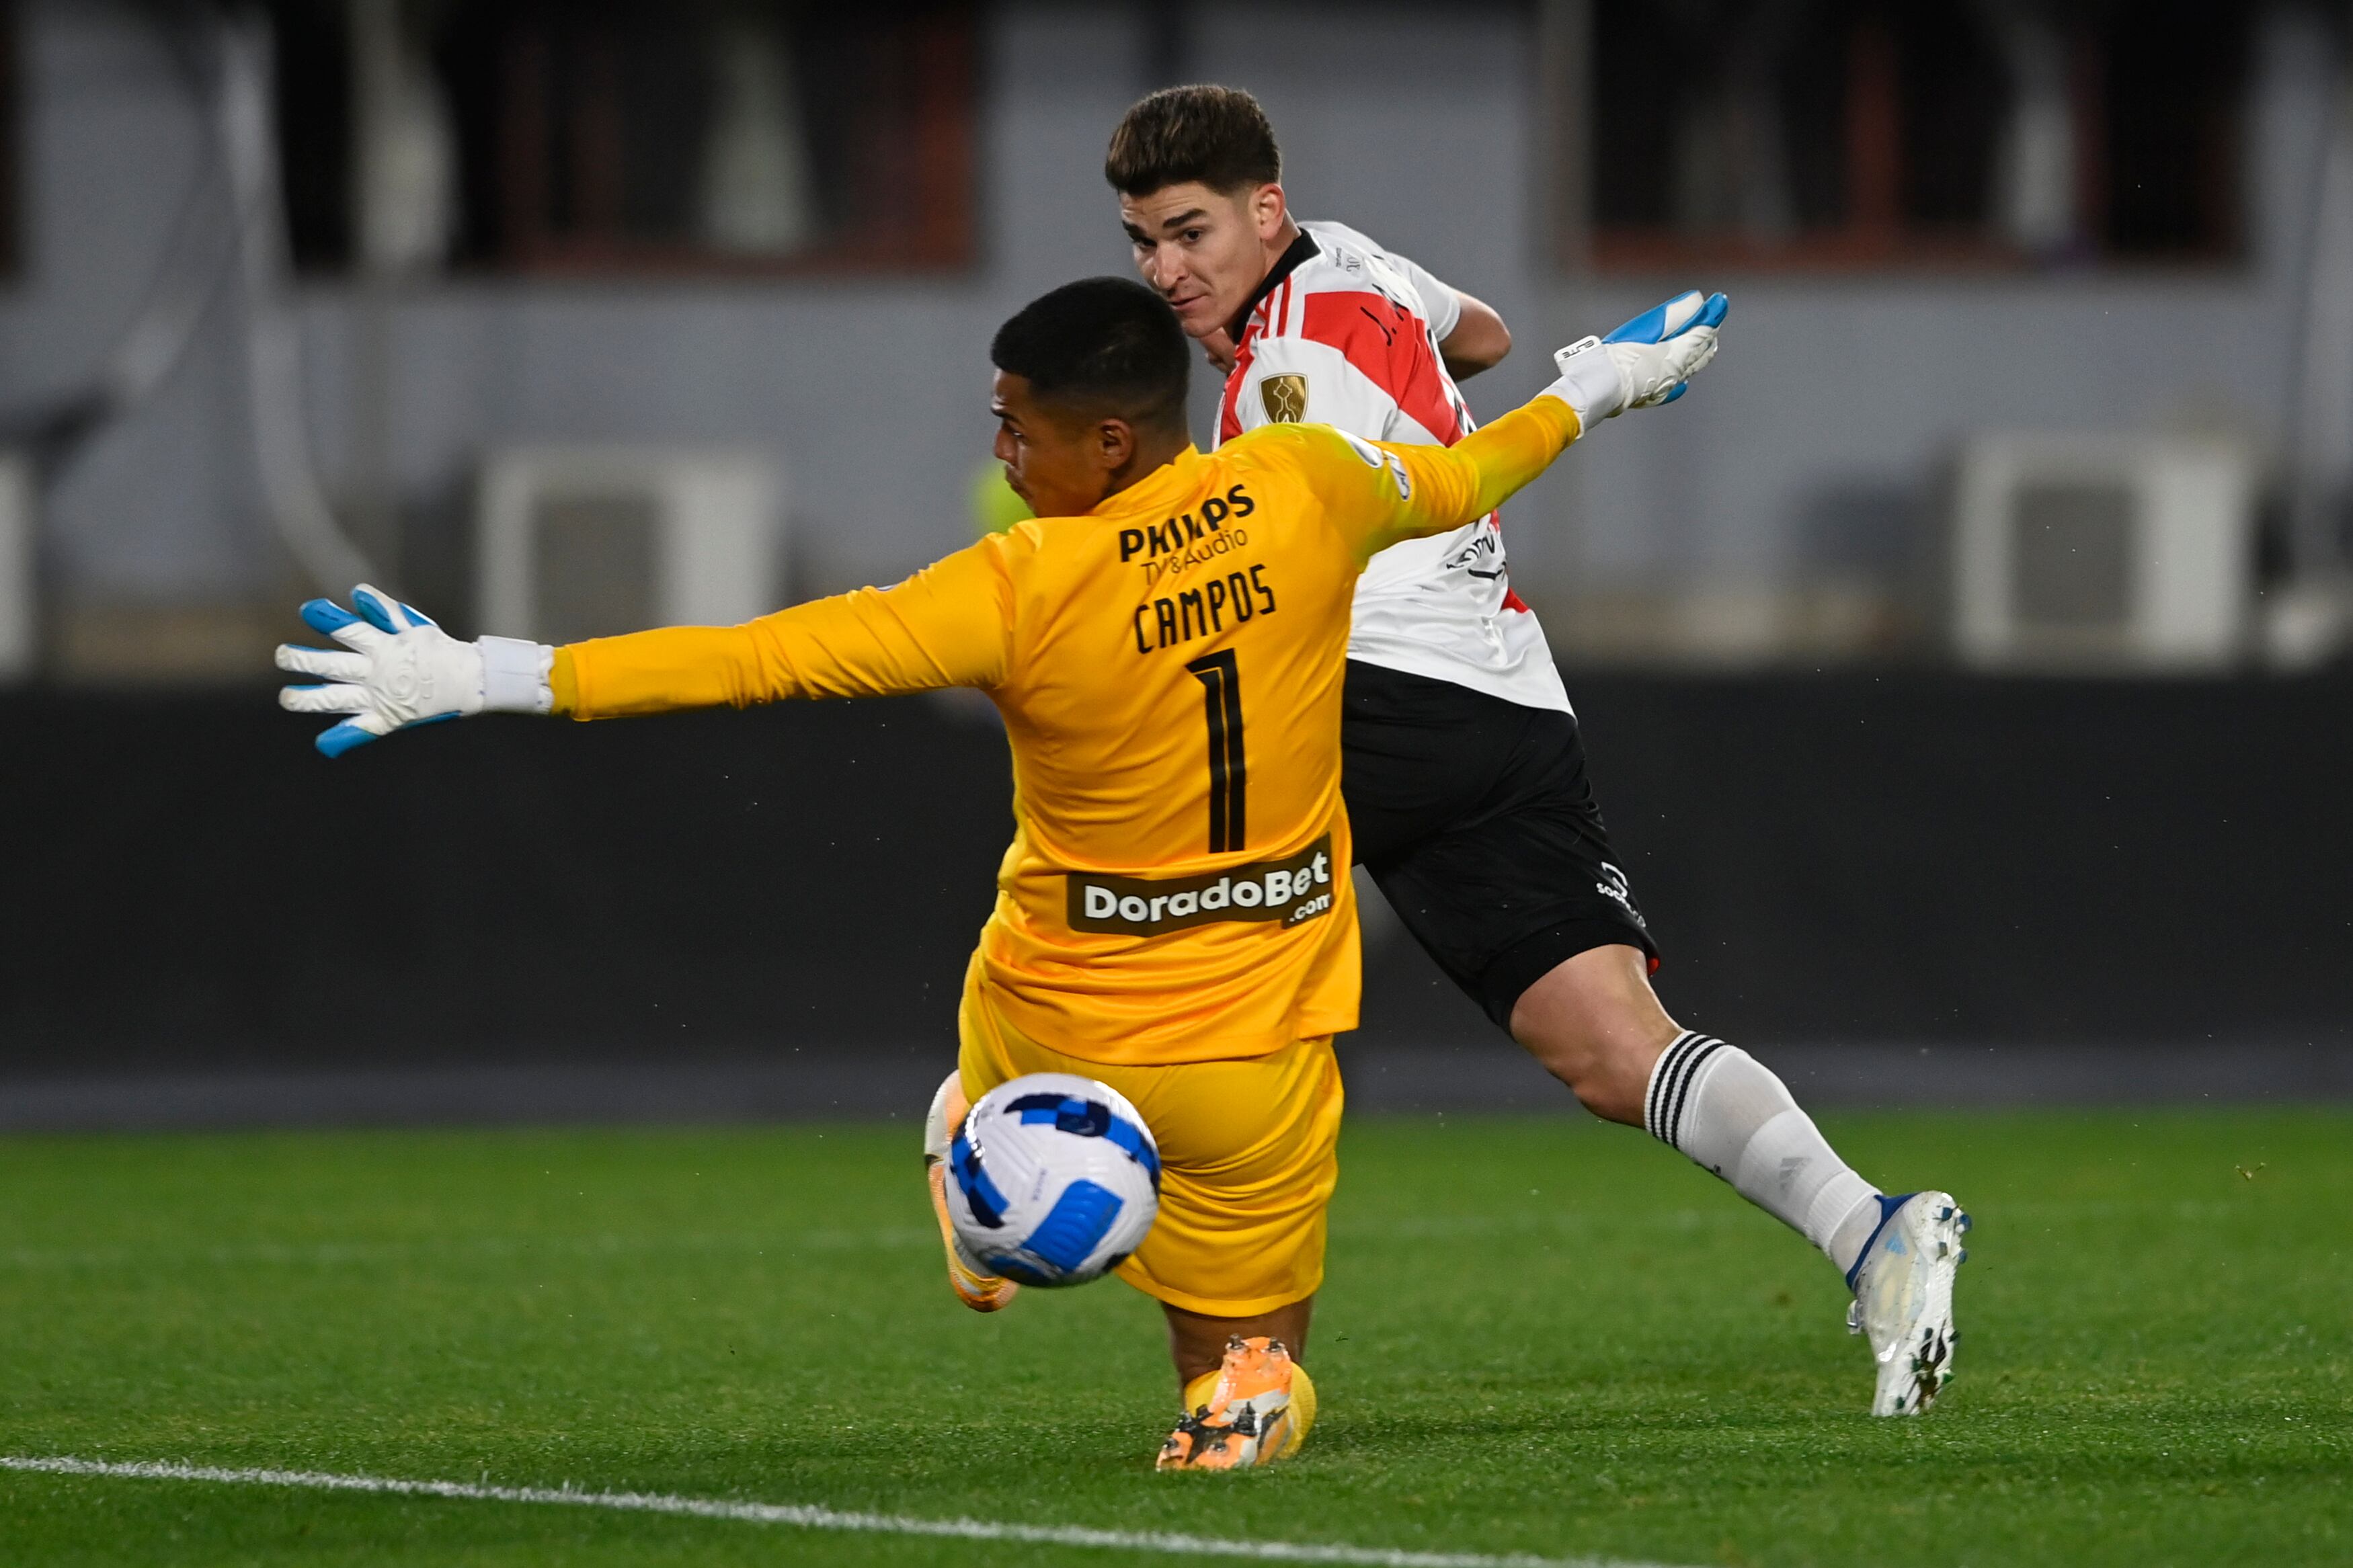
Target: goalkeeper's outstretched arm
952,622
949,624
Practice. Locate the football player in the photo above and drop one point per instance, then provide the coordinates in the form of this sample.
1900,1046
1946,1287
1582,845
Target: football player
1165,643
1466,782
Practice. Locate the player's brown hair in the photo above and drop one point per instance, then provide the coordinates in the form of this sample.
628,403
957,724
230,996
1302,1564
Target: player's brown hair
1217,135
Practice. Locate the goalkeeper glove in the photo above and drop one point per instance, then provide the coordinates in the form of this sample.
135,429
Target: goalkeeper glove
1650,360
404,671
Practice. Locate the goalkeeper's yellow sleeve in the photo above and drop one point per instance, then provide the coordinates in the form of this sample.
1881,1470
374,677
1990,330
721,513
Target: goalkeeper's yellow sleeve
1377,494
1461,483
948,624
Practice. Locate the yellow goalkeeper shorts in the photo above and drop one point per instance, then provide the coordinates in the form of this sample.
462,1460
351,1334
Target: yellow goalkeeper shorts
1249,1156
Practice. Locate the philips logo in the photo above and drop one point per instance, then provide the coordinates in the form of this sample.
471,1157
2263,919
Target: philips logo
1289,891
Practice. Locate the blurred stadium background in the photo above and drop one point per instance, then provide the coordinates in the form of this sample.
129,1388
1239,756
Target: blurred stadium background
1964,665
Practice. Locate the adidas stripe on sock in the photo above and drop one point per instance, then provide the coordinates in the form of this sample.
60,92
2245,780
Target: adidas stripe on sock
1727,1110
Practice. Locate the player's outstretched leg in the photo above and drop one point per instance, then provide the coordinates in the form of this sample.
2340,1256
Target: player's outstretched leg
1255,1408
973,1286
1903,1285
1731,1113
1596,1024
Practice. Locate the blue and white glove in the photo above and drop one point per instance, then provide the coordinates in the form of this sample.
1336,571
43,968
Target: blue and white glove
1650,360
403,670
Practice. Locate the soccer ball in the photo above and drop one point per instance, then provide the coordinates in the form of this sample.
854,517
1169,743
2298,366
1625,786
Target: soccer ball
1053,1179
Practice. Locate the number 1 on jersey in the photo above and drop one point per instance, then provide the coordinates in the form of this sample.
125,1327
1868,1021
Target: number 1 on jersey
1221,684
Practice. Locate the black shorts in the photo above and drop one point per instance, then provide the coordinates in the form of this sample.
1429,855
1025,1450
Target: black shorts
1474,816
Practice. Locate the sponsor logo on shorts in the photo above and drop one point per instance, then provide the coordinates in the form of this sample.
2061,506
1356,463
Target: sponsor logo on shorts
1616,888
1288,891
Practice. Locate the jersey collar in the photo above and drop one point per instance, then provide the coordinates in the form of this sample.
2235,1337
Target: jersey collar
1165,483
1301,251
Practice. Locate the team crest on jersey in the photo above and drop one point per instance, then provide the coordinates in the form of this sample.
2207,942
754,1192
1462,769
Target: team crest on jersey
1285,397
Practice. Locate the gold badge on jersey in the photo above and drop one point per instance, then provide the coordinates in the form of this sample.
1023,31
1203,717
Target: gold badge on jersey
1285,397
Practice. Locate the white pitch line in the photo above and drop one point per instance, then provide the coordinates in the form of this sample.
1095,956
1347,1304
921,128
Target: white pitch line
809,1517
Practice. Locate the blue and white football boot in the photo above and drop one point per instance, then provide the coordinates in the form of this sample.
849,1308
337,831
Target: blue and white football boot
1903,1285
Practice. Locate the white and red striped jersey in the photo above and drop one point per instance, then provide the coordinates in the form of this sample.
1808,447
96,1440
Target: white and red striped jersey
1345,334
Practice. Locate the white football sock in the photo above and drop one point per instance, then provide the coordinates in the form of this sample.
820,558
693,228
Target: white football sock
1728,1110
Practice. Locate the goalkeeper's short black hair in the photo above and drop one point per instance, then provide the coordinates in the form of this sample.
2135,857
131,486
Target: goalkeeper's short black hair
1102,346
1217,135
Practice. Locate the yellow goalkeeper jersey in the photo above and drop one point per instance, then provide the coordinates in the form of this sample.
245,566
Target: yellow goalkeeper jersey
1170,672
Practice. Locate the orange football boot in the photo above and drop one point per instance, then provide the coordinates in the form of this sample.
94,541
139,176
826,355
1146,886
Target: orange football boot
973,1286
1254,1409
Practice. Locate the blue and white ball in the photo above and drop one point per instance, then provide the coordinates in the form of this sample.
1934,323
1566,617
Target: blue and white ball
1053,1179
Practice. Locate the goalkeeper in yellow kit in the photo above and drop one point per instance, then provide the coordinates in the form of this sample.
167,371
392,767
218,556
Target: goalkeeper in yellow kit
1166,642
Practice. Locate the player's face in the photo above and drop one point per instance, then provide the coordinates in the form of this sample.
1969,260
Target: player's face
1203,250
1062,467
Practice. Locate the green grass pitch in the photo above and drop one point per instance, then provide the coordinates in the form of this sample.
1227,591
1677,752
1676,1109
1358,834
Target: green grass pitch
1539,1336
